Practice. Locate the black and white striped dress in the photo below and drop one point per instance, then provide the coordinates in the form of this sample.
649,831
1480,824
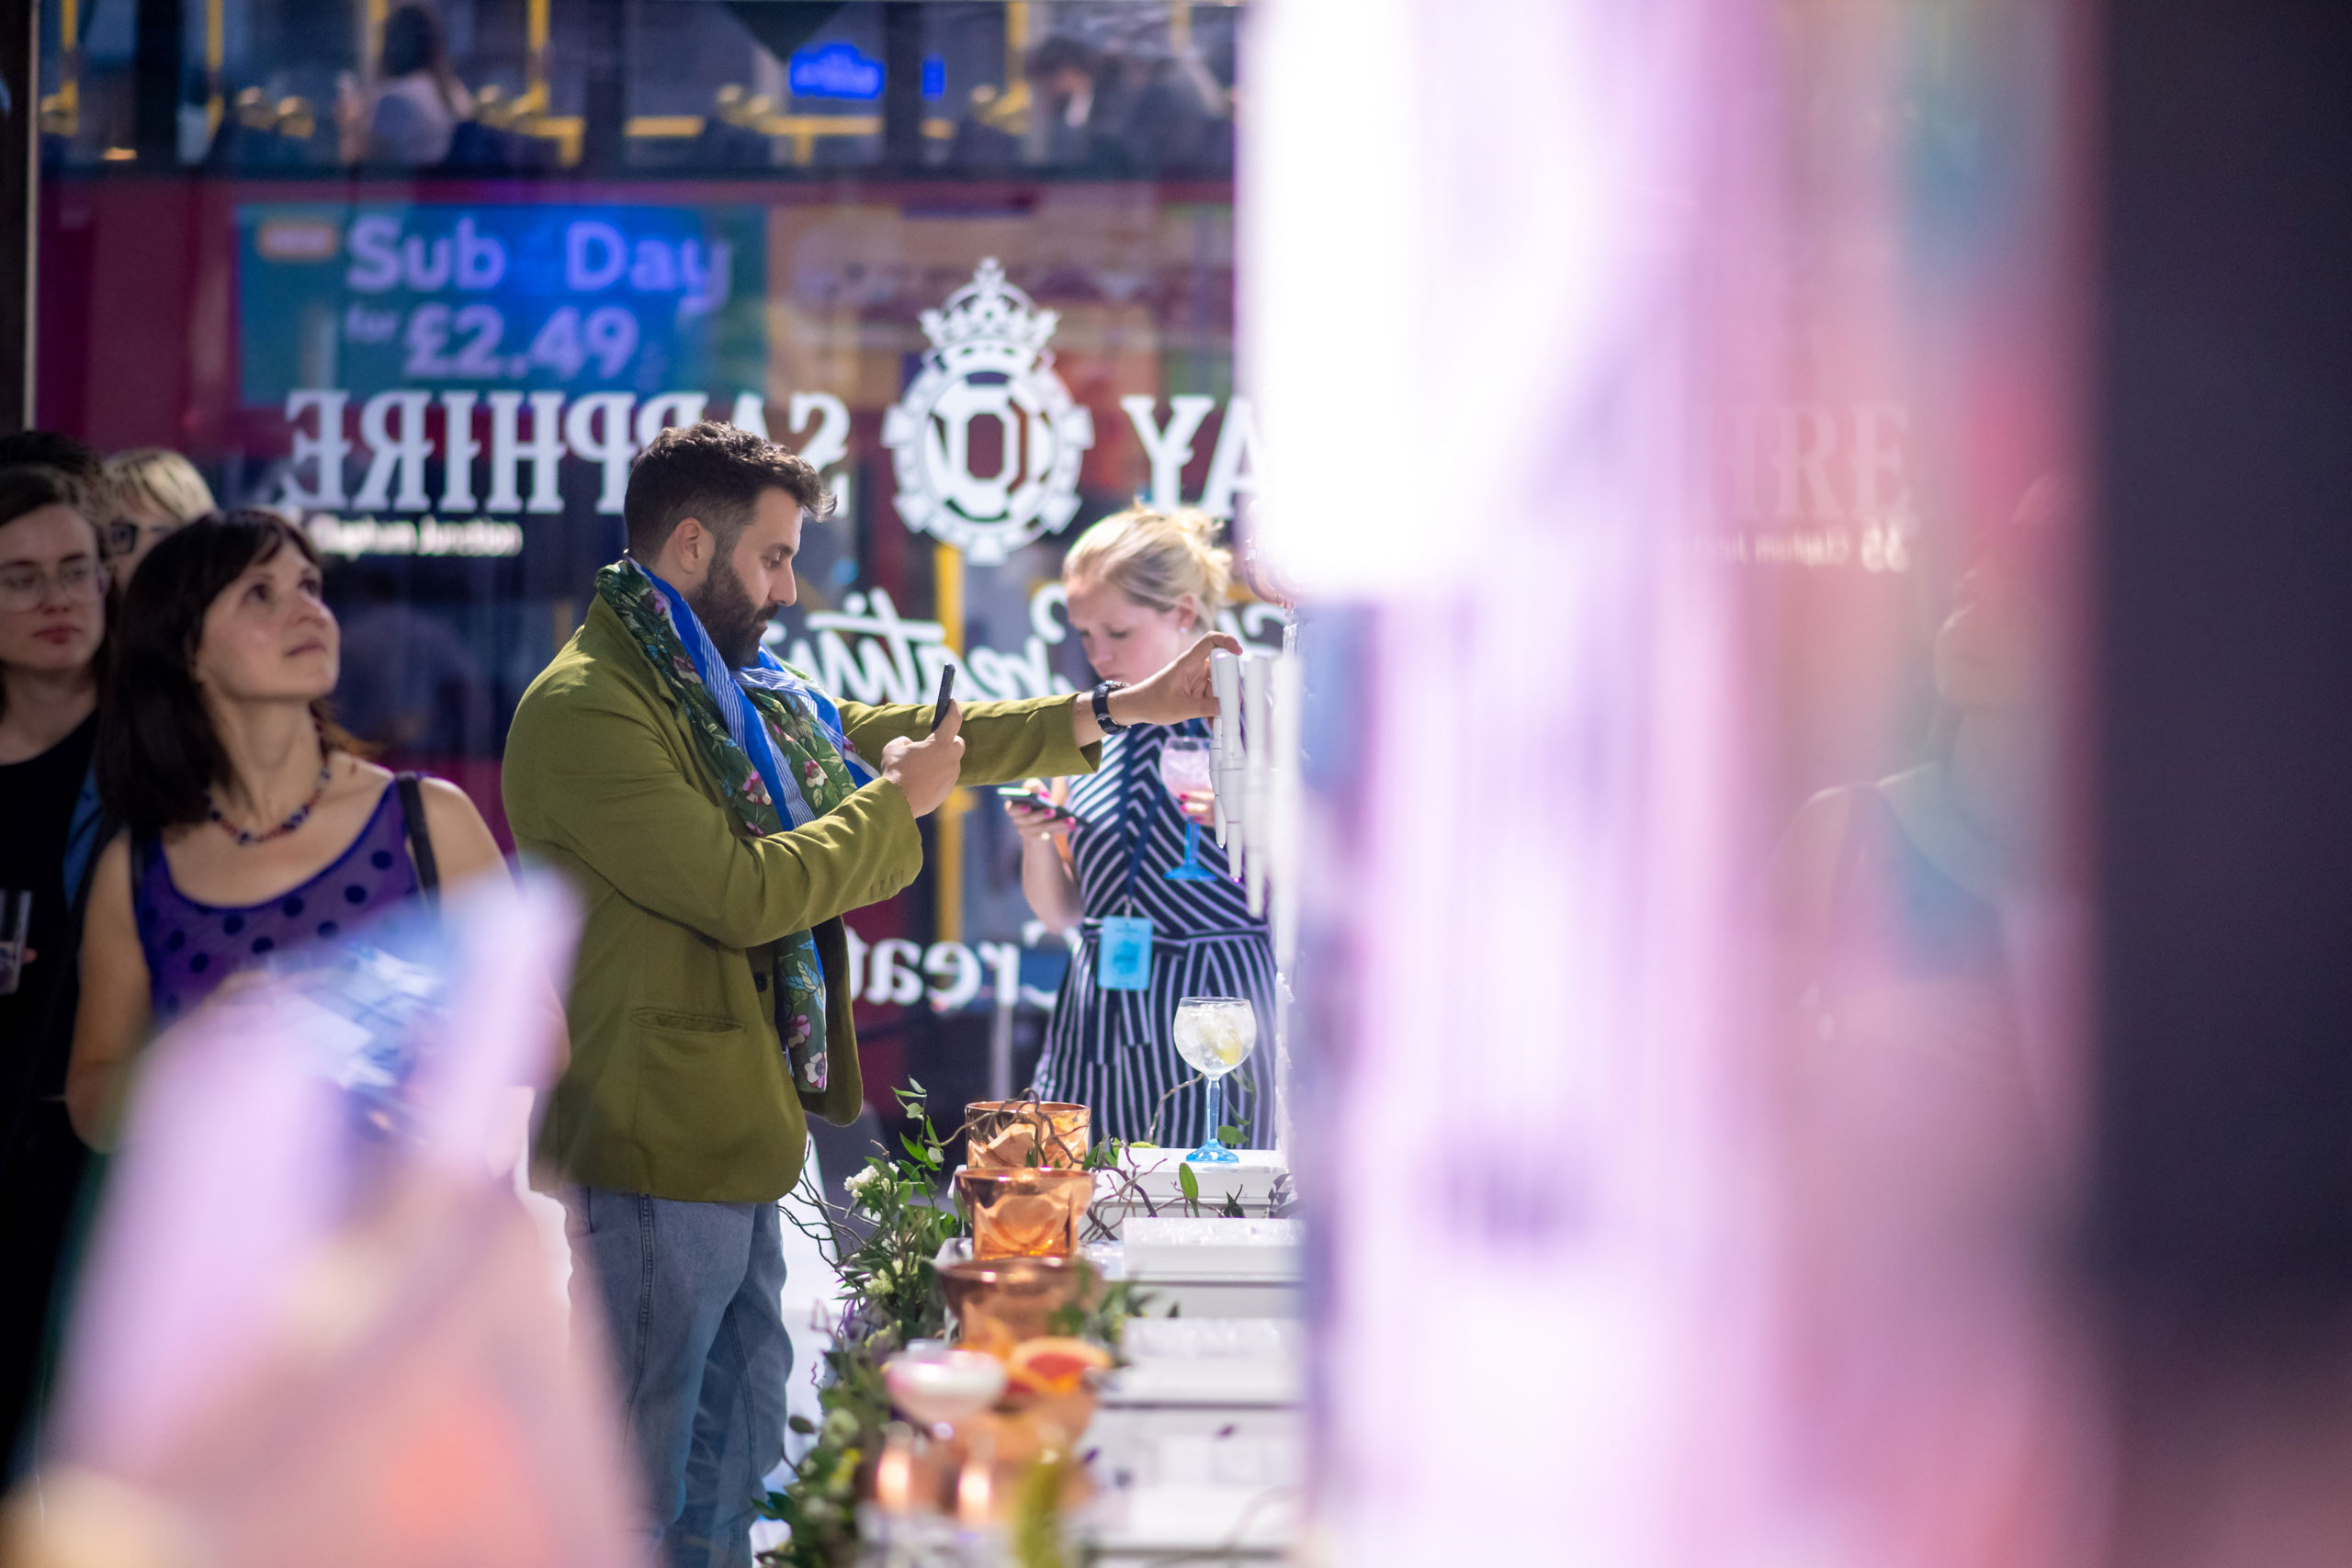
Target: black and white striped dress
1115,1052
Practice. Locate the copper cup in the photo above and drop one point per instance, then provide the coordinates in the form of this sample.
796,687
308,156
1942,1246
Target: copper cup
1025,1213
1008,1133
1003,1300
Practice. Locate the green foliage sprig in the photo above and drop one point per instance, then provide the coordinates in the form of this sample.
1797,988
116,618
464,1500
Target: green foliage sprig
821,1500
893,1297
1099,1313
889,1274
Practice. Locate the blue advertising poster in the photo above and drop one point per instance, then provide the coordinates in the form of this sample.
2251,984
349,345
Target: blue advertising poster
371,296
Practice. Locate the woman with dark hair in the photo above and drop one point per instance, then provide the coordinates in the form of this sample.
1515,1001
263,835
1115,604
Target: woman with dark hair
409,118
52,636
251,825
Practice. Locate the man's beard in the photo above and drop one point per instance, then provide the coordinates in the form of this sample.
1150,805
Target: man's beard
729,615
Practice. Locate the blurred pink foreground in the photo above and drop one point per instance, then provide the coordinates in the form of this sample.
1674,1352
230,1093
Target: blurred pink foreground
315,1324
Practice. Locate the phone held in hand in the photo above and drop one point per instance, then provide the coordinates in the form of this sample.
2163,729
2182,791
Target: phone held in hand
947,695
1036,801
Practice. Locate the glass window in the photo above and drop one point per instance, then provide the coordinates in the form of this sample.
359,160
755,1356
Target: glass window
437,272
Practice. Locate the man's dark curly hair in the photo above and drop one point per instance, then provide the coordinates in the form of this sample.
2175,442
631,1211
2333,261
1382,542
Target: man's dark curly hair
715,474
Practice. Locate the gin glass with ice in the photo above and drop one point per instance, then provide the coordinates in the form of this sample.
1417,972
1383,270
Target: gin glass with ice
1216,1034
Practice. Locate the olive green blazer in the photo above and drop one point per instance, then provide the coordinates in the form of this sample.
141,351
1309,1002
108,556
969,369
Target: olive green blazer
677,1086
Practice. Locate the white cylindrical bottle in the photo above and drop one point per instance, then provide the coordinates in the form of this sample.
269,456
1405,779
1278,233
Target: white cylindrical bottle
1226,750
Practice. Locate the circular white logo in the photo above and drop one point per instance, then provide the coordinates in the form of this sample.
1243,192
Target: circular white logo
988,362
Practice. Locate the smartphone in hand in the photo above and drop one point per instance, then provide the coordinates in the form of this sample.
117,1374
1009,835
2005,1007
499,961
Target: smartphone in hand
1036,801
947,695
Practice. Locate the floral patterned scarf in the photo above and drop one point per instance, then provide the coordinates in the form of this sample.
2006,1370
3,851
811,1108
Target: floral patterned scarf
805,758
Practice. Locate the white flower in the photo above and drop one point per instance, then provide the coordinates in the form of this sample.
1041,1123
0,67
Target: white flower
857,1186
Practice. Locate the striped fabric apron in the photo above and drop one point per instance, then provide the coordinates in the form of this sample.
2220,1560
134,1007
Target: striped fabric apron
1115,1050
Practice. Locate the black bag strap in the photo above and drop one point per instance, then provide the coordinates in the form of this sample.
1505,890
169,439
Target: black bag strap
144,847
420,839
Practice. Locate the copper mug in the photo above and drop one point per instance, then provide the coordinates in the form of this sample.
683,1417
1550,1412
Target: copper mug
1001,1302
1001,1134
1025,1213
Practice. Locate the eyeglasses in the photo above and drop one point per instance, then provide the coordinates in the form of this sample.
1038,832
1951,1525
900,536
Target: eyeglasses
28,587
121,535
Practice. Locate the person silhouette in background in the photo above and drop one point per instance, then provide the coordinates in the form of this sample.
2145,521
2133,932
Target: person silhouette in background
48,449
154,491
409,118
1926,1129
1891,893
1079,108
52,641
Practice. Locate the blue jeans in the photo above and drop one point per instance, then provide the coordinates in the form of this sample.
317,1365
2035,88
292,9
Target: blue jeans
690,1298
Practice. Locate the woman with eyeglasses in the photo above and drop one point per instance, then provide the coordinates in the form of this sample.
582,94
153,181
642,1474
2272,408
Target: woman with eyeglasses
52,635
253,831
154,491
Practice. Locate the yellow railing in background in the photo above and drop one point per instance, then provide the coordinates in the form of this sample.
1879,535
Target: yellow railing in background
371,37
61,112
947,842
1007,108
805,130
215,47
535,55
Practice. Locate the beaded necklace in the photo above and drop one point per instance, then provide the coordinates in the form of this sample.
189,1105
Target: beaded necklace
246,838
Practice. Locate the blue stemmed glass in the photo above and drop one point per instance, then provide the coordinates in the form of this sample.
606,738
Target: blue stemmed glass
1184,764
1216,1034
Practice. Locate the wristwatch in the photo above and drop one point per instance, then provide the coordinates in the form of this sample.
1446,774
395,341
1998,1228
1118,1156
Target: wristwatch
1102,707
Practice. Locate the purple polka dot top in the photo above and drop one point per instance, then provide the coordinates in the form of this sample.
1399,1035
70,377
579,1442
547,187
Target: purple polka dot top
192,947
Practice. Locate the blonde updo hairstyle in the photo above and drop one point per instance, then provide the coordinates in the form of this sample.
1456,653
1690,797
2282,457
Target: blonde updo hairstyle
1155,559
160,481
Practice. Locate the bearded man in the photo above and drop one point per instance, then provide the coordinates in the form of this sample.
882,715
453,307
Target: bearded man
716,813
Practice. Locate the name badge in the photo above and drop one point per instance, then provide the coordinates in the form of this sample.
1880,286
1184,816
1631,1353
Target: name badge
1122,953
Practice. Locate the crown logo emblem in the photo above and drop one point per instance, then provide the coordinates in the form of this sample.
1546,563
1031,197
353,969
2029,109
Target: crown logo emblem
988,380
988,316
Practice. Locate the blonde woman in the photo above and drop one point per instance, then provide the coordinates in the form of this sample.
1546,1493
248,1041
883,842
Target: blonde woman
153,490
1143,586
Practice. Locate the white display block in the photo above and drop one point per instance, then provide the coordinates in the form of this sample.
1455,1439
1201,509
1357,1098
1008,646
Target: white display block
1214,1268
1151,1186
1199,1441
1222,1249
1220,1298
1151,1523
1219,1338
1189,1364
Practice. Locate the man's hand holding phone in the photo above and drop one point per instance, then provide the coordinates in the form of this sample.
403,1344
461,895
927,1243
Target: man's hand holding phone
927,770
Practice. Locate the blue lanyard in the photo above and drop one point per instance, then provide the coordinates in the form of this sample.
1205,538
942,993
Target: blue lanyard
1136,836
1133,838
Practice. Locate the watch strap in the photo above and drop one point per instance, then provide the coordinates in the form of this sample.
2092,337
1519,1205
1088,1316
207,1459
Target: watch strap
1101,698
